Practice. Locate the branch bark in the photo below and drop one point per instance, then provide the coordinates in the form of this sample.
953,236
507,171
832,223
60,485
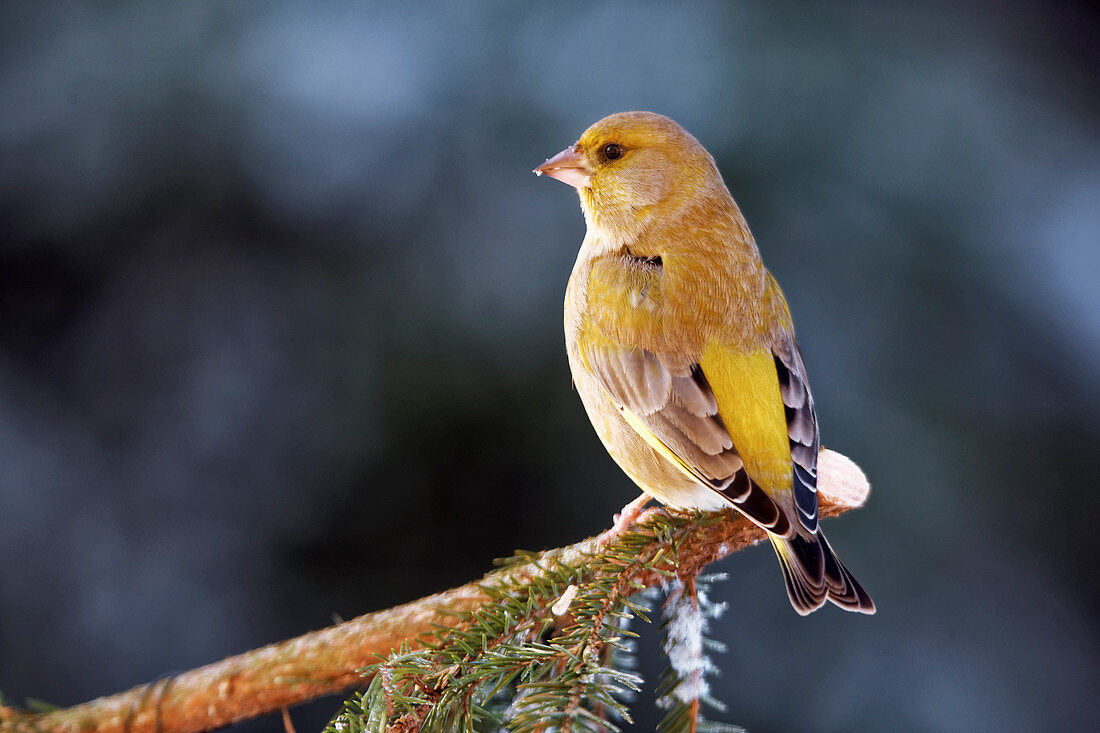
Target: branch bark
322,662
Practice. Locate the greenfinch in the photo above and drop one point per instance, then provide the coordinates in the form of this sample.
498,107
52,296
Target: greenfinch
682,347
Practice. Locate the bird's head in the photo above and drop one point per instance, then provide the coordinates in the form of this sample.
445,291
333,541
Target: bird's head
630,166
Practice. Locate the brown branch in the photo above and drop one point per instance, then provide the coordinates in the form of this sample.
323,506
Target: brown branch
322,662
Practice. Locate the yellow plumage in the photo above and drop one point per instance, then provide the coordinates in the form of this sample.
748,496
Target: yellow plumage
682,348
747,390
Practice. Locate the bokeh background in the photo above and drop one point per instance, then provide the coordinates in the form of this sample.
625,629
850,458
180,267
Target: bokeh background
280,329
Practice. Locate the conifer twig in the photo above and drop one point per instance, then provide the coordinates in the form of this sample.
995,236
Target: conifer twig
323,662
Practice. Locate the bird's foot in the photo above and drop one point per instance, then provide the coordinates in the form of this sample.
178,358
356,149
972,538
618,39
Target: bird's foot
629,514
632,513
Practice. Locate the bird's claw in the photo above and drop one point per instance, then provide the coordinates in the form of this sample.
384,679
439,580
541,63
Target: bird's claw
629,515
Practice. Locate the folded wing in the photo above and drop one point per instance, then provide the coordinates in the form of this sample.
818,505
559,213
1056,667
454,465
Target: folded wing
672,404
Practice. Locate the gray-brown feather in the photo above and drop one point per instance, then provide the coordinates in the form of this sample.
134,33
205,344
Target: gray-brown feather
678,407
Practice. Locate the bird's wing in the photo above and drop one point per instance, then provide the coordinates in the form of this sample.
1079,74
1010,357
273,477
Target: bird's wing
675,410
802,430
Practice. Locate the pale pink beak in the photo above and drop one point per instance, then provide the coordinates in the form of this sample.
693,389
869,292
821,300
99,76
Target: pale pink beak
569,166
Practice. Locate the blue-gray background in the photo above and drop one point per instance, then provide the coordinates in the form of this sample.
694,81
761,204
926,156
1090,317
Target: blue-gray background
280,328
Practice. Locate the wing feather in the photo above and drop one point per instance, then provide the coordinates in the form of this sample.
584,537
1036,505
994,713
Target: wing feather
802,430
679,411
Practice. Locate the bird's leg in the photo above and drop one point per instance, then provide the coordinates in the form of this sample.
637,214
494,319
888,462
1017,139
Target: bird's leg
628,515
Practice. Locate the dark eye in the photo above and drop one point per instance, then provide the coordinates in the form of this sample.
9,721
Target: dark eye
613,151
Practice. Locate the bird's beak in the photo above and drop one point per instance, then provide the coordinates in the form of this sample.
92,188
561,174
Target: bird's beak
569,166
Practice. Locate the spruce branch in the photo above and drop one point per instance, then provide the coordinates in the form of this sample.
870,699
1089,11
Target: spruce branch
683,688
514,598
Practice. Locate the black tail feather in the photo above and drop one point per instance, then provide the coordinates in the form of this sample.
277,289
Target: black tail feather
813,574
844,590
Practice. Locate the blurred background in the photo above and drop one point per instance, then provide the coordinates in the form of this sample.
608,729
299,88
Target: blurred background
280,329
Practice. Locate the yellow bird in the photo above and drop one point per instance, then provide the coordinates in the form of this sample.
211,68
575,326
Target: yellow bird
682,347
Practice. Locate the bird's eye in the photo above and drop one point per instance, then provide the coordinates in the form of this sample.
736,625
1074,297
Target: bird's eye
613,151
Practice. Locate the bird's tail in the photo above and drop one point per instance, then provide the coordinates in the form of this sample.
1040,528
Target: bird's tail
813,574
